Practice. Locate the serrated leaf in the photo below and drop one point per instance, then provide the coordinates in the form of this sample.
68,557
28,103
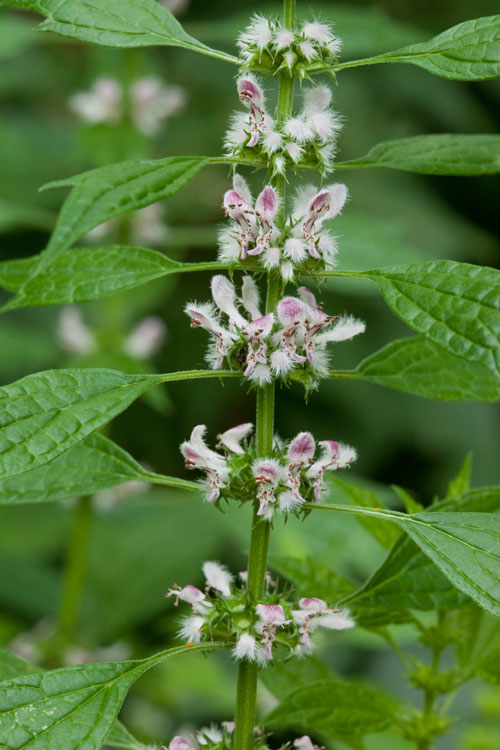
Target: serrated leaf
72,707
116,23
386,534
465,546
45,414
461,483
71,277
469,51
338,709
456,305
419,366
116,189
95,464
444,154
408,579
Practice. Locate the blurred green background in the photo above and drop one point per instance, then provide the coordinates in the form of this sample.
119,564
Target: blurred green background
141,544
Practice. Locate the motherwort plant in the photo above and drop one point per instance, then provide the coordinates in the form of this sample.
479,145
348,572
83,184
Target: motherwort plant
266,326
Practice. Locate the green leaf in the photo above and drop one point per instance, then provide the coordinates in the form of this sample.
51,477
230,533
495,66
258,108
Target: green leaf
464,546
461,483
71,277
45,414
116,23
445,154
338,709
72,707
419,366
116,189
456,305
95,464
469,51
408,579
478,635
385,534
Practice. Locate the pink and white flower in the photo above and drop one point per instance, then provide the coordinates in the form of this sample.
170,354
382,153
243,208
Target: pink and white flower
218,577
198,455
268,473
334,456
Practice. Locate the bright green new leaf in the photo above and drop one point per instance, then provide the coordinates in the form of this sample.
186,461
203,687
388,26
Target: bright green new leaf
447,154
469,51
95,464
116,23
419,366
72,707
45,414
456,305
338,709
71,277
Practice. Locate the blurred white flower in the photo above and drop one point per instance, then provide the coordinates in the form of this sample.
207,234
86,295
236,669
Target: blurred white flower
72,332
146,338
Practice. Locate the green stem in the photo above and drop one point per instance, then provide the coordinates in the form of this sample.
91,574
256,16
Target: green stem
74,573
246,695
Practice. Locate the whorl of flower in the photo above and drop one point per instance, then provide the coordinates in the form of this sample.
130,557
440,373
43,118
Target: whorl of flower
268,43
152,101
307,137
256,345
300,244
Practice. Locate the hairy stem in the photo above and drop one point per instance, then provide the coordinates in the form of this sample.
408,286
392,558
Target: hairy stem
74,574
246,695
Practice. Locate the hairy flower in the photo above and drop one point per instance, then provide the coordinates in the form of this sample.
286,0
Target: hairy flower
198,455
218,577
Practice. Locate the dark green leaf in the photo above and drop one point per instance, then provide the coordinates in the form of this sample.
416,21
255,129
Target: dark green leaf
469,51
446,154
71,277
419,366
283,679
95,464
456,305
115,23
478,635
337,709
71,707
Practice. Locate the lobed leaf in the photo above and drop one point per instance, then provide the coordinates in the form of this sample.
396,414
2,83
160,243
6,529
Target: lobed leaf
419,366
469,51
45,414
71,277
456,305
95,464
445,154
338,709
116,23
72,707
